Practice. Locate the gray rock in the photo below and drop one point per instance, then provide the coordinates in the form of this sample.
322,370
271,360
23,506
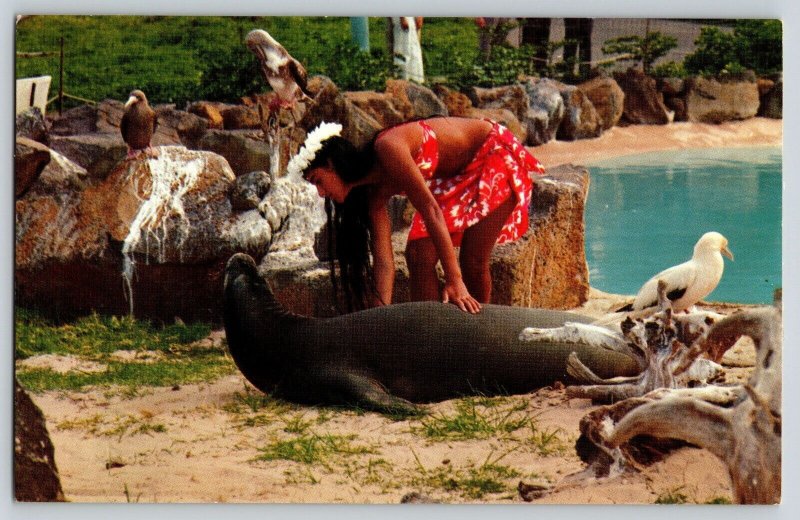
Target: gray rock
546,110
31,124
423,101
249,189
581,120
179,127
98,153
75,121
511,97
245,150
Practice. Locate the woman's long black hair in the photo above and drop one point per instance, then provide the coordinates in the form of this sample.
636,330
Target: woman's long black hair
349,239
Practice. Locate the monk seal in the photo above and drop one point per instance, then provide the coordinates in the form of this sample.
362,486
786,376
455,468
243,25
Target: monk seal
389,357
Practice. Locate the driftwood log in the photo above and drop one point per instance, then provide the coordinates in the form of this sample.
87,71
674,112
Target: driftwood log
739,424
673,350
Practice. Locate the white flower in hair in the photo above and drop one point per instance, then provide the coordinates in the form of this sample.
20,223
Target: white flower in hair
311,146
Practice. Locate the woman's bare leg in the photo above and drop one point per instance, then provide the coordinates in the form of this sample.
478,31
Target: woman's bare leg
476,250
421,258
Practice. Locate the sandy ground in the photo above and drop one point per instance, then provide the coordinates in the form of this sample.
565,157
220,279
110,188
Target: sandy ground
619,141
202,443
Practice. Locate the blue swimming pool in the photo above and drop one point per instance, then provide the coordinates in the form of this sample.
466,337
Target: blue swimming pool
645,213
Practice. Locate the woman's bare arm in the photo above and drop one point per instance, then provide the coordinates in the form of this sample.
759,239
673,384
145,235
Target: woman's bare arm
382,251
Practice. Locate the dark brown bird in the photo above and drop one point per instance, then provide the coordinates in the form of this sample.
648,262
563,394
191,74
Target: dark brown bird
138,124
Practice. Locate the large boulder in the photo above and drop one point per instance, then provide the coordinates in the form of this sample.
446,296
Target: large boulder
245,150
98,153
513,98
581,120
241,117
644,104
30,159
178,127
385,108
153,237
607,98
504,117
709,100
174,126
456,103
78,120
332,106
547,266
36,476
422,100
546,110
208,111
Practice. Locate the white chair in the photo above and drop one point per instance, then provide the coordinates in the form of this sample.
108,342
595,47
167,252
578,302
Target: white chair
32,92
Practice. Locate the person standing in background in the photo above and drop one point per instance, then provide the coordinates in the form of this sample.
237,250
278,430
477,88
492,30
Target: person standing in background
403,37
491,32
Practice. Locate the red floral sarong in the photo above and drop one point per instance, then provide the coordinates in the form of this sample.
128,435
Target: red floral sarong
501,167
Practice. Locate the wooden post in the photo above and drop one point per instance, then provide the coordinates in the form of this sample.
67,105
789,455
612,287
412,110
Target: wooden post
61,79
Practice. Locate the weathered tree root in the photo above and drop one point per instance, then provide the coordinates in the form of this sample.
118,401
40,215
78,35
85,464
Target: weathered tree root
675,351
741,425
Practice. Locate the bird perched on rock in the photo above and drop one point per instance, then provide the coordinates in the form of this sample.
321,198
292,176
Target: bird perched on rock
689,282
138,124
285,75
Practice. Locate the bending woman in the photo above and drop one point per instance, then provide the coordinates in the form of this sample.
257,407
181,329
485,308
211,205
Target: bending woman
469,181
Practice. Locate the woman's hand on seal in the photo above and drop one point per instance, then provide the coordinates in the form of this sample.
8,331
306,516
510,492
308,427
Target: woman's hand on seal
456,293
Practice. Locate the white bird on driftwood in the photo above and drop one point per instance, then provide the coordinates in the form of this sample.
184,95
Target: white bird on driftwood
689,282
285,75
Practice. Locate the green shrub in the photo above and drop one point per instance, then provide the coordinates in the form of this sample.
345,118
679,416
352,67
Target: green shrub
754,44
644,50
670,69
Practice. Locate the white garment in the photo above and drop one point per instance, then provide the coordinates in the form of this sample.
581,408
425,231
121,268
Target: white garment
407,51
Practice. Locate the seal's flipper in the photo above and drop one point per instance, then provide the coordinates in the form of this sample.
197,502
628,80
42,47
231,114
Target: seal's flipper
370,394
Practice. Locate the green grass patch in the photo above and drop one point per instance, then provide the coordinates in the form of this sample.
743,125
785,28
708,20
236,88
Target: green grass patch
312,449
477,418
673,496
547,442
96,337
114,426
169,373
719,501
472,482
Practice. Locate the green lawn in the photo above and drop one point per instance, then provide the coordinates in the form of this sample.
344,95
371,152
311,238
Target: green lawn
179,59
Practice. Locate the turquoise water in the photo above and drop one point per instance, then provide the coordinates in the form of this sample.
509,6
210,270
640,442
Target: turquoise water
645,213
